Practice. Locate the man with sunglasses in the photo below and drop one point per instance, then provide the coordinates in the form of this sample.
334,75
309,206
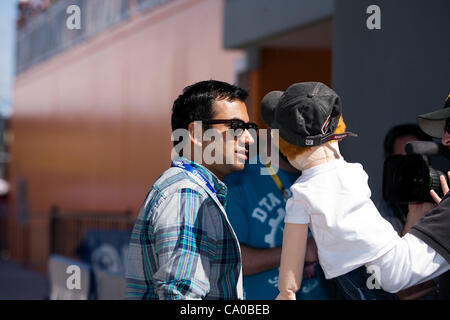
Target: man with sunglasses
182,245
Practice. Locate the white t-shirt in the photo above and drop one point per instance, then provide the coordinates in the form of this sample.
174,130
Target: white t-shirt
348,229
410,262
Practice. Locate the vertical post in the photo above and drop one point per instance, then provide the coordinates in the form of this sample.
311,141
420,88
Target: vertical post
53,228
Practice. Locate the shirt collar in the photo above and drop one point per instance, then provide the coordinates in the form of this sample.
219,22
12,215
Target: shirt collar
219,186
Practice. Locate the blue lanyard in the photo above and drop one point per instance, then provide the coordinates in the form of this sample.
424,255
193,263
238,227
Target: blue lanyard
186,166
197,176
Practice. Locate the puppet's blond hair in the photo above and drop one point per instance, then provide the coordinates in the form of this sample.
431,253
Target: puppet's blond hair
291,151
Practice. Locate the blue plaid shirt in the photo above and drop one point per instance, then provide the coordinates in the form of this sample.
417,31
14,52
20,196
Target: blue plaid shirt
182,245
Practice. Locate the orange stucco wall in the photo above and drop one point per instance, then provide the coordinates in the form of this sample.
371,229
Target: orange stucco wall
91,126
281,67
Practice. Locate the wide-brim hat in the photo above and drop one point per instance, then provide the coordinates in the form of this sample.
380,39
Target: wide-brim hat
433,123
306,114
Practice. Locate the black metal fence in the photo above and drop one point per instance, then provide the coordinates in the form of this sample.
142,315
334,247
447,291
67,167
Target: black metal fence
3,230
68,228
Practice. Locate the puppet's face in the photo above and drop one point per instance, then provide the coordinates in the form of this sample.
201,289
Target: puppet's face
300,160
314,156
302,157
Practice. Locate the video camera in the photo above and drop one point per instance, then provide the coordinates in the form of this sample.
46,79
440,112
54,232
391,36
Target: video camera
409,178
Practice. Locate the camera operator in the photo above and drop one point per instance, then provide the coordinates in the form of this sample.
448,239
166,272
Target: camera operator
402,216
434,227
437,125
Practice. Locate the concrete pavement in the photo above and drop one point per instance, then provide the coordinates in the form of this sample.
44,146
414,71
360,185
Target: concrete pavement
20,283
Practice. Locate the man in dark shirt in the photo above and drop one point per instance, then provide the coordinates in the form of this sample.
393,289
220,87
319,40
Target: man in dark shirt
434,227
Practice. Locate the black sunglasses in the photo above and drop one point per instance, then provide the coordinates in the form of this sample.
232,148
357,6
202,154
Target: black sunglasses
236,125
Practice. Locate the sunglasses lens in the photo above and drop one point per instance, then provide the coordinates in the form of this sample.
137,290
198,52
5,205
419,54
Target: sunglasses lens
236,127
237,132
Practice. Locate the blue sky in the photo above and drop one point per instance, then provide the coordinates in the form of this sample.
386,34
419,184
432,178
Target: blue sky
7,48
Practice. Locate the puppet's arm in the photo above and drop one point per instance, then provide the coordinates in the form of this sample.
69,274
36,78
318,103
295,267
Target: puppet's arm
292,260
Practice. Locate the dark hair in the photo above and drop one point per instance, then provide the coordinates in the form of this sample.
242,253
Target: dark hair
402,130
197,100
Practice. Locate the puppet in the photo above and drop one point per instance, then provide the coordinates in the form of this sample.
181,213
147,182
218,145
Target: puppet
332,196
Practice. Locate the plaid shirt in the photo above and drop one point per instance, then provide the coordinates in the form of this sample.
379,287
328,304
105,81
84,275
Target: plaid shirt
182,245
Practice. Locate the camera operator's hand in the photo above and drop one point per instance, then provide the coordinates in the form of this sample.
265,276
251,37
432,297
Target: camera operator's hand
444,186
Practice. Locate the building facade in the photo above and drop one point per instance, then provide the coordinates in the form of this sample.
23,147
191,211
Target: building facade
91,122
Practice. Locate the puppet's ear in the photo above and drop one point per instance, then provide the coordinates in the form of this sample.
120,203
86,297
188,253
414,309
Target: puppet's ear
268,105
